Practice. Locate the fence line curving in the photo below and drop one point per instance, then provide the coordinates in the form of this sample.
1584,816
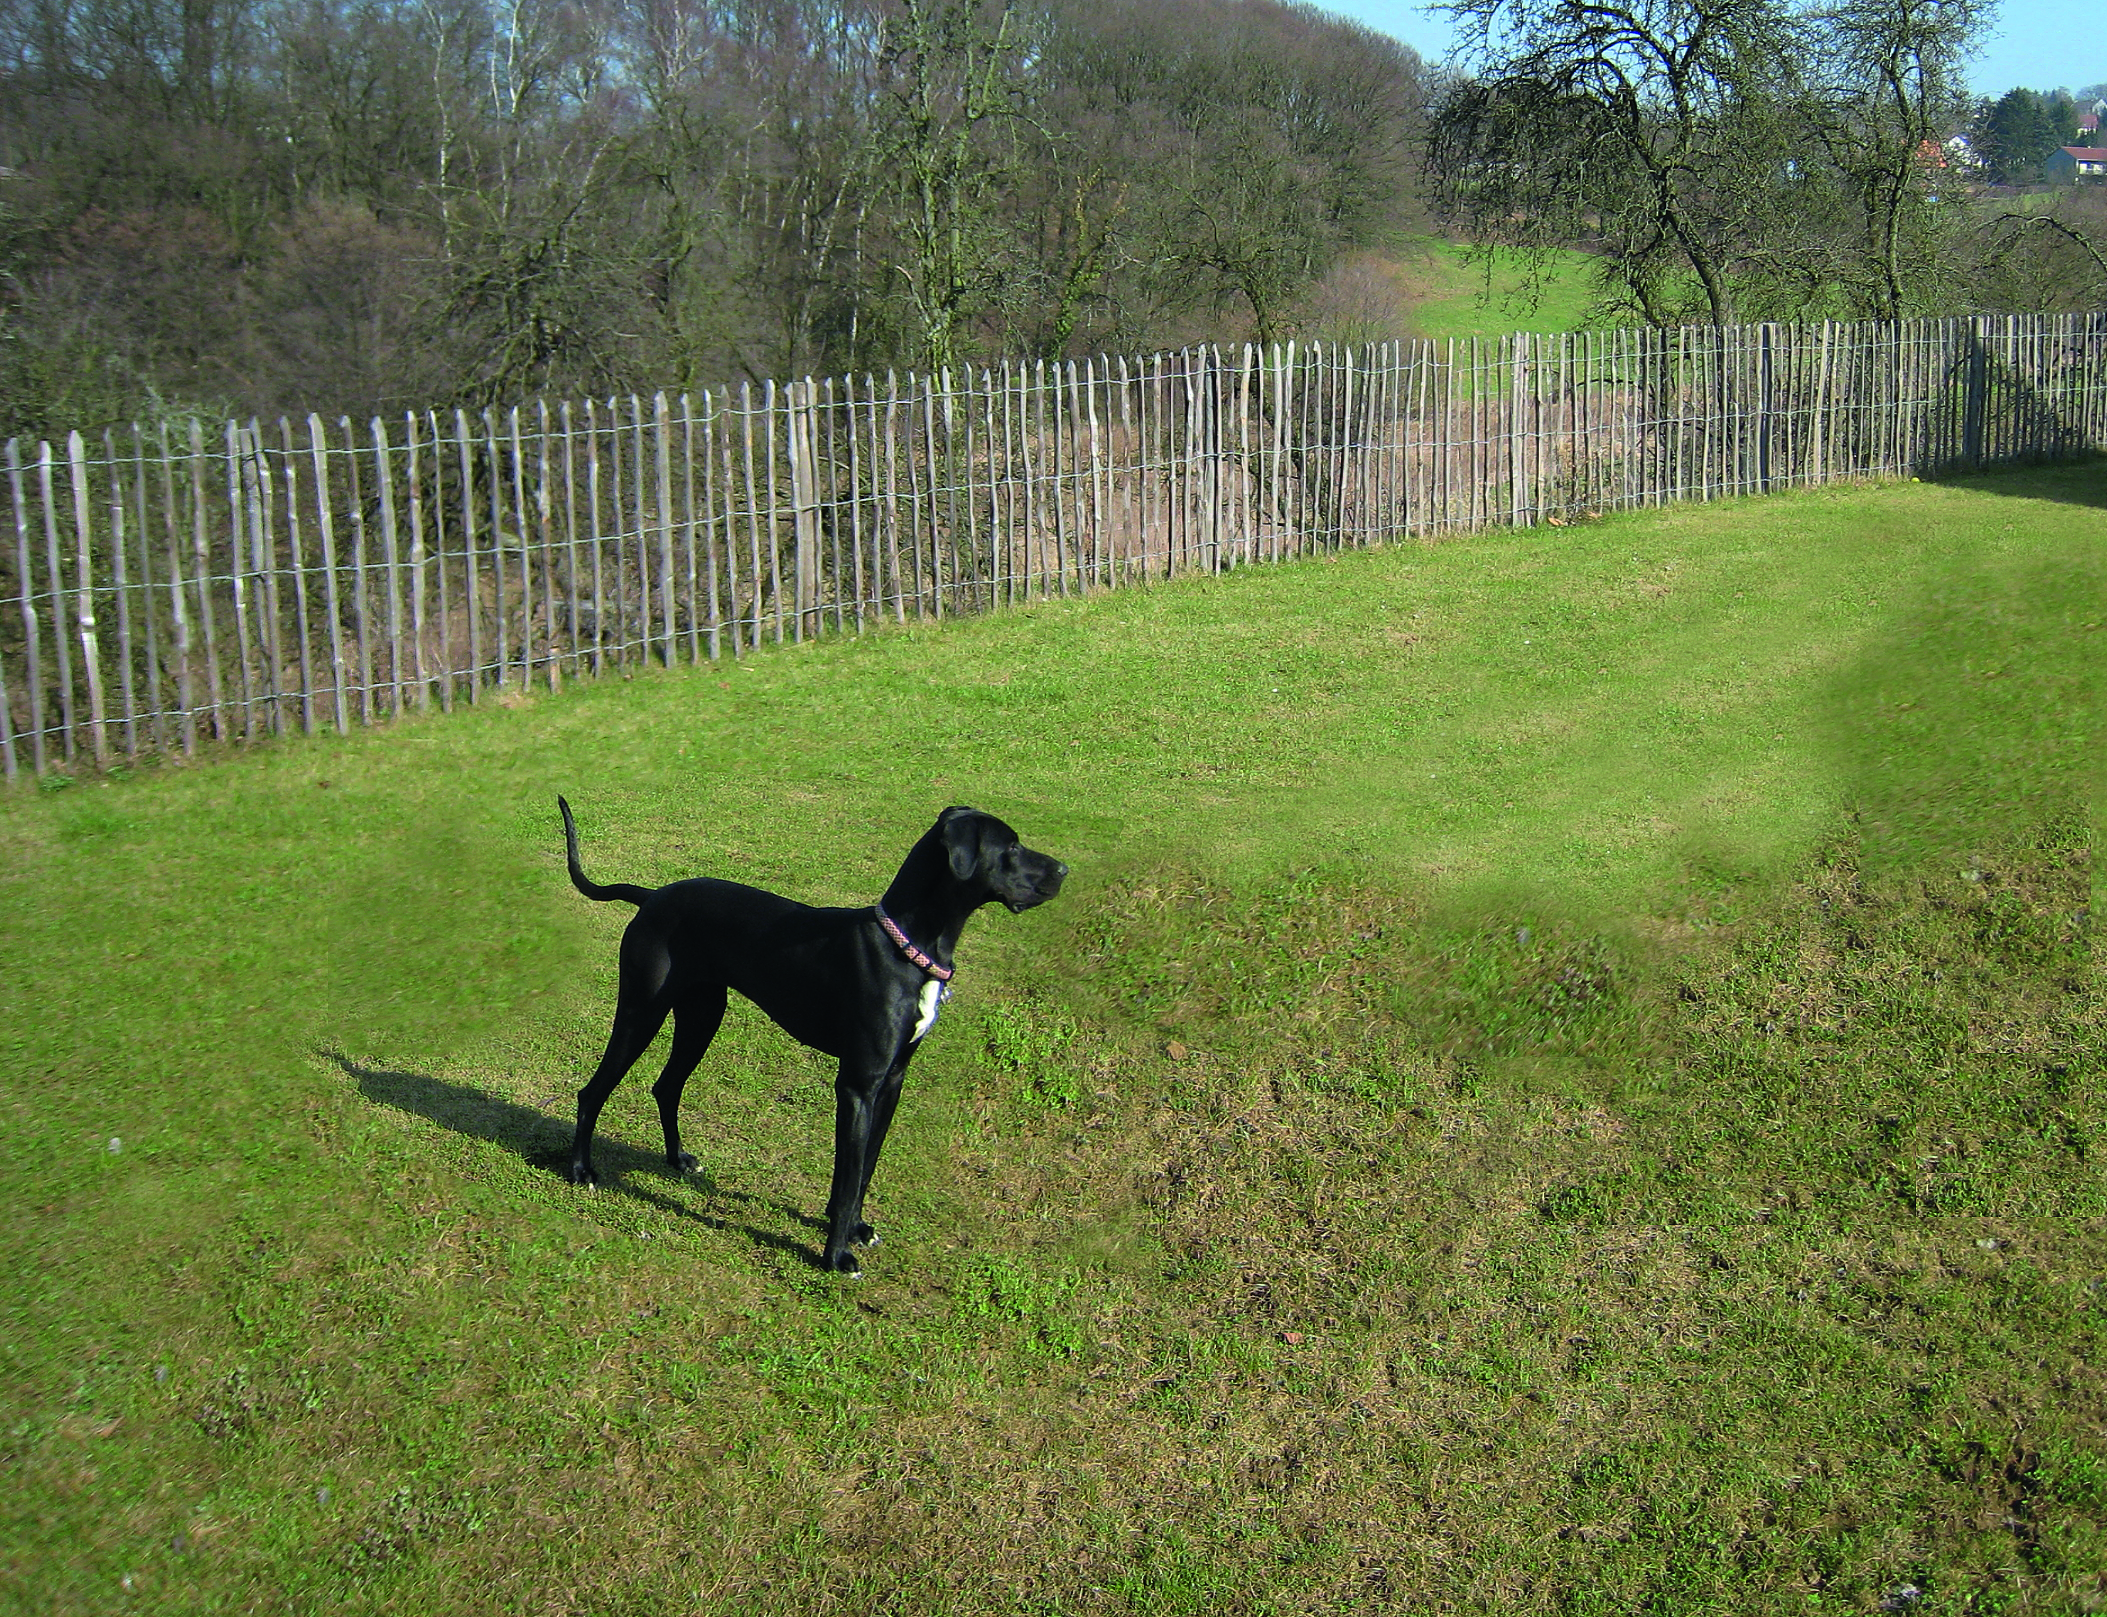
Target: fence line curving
167,586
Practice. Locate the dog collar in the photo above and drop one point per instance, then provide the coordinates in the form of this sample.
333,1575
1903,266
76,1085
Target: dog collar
915,956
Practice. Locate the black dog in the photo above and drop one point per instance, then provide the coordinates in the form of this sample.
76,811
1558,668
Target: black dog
862,985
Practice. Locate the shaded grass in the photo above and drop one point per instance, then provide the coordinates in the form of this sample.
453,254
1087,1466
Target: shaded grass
1566,1079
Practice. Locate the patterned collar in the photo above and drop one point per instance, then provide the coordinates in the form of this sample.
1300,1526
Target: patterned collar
915,956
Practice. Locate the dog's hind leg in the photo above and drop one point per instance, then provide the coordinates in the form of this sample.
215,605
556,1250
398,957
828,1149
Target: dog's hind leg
695,1023
638,1017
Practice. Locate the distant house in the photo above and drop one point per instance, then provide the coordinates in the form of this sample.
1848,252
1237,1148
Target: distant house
2068,164
2088,124
1960,154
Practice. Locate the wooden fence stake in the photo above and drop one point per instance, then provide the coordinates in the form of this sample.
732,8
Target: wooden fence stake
263,552
325,523
442,584
413,489
391,556
32,637
693,608
916,526
662,432
520,531
775,540
501,605
544,538
932,466
84,596
592,515
796,446
731,530
296,561
753,512
570,537
361,597
833,503
120,581
892,496
238,578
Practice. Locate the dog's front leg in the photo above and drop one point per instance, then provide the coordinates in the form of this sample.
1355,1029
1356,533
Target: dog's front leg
859,1093
888,1098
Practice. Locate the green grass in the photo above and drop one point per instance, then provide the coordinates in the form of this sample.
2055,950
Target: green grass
1455,292
1567,1078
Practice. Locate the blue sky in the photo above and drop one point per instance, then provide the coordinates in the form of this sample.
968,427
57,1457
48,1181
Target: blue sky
2042,44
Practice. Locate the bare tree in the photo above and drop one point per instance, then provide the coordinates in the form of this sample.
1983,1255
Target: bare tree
1888,92
1653,125
953,109
370,204
1261,142
1727,158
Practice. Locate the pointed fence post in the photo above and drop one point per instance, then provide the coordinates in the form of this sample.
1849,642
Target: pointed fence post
84,599
32,625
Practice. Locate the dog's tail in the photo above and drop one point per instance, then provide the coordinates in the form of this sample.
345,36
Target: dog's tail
621,889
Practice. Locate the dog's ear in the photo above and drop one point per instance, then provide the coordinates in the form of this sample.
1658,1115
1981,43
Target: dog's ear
960,829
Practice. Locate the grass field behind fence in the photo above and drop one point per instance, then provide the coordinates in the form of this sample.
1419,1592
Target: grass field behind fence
1452,293
1567,1078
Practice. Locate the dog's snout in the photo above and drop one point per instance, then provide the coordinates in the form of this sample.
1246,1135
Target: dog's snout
1041,876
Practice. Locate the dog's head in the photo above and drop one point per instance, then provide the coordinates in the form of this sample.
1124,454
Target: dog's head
985,853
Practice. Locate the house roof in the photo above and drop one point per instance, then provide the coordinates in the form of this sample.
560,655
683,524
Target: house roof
2089,121
2088,154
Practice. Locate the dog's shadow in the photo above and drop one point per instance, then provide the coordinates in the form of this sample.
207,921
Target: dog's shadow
544,1142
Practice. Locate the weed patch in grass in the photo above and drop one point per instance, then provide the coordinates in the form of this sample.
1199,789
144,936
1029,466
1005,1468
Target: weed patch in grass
1034,1043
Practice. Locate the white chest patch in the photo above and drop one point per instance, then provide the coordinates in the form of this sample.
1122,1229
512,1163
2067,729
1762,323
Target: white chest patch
934,994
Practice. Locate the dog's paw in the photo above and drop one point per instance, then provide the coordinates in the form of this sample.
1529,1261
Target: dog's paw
844,1264
863,1235
583,1176
684,1163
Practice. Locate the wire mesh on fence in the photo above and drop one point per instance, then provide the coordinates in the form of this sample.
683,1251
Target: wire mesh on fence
167,586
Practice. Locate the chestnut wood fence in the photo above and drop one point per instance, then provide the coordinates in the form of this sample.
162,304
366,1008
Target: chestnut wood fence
177,584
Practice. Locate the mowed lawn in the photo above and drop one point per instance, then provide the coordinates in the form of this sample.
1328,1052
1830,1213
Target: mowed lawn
1568,1077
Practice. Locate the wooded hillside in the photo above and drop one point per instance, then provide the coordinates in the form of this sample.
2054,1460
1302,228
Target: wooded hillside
361,205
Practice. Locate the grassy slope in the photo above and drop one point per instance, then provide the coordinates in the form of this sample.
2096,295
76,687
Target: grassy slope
1550,1029
1452,294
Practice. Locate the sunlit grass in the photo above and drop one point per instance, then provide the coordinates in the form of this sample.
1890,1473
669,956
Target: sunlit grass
1564,1079
1456,291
